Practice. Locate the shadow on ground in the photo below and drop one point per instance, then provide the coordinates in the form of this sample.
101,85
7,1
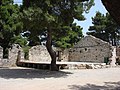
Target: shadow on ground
30,73
106,86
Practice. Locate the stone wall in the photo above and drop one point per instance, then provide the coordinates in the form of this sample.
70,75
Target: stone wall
39,54
63,55
89,54
90,49
3,62
118,51
1,55
12,56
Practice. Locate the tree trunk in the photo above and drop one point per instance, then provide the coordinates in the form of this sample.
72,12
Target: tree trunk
113,7
53,66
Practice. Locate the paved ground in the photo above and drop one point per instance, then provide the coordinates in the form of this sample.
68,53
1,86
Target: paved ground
30,79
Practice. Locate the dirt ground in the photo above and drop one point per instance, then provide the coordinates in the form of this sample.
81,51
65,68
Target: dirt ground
33,79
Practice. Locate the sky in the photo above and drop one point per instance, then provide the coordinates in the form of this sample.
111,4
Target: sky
18,1
88,22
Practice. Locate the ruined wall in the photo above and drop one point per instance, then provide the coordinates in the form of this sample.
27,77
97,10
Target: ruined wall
89,54
1,55
118,51
39,53
90,49
12,56
3,62
63,55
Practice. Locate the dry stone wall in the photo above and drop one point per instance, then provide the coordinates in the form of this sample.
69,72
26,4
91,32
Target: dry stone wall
39,54
63,55
13,54
1,55
12,58
118,51
90,49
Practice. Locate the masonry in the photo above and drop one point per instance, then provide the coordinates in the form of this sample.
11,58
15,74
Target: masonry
89,49
39,54
36,54
12,56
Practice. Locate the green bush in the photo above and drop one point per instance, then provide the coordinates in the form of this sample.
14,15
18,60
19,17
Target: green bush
26,52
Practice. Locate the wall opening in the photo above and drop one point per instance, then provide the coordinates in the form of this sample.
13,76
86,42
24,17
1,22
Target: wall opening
80,51
85,49
26,52
26,55
5,52
59,53
96,58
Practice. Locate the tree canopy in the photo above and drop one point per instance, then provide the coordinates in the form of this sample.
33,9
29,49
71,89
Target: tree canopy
10,26
67,36
113,8
51,18
105,28
55,18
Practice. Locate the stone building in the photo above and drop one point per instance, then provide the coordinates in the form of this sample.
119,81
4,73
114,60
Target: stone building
1,55
118,51
90,49
118,55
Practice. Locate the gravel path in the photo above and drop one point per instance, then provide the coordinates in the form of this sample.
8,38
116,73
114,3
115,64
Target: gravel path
32,79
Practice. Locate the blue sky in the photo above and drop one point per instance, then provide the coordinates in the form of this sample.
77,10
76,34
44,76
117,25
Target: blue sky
88,22
18,1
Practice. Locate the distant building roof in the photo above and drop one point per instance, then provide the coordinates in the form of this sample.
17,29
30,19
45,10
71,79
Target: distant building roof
90,41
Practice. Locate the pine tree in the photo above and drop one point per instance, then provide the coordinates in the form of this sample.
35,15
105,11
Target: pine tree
54,17
105,28
9,24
